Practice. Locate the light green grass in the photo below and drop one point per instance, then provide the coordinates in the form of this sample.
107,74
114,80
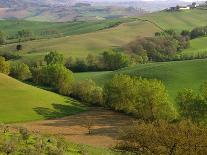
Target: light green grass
22,102
197,46
179,20
11,27
81,45
99,41
175,75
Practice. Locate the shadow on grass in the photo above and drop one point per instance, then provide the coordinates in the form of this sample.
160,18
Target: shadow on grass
60,110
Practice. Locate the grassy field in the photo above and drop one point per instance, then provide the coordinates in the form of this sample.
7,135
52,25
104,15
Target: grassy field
52,29
22,102
81,45
96,42
179,20
198,46
175,75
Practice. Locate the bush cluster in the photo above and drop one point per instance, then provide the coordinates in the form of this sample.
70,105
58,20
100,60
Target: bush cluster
106,61
159,48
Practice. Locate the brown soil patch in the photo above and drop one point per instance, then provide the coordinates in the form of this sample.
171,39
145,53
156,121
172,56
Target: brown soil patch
106,125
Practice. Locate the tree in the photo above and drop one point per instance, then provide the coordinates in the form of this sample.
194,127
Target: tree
55,76
2,38
88,92
4,66
115,60
20,71
54,58
146,99
161,137
192,106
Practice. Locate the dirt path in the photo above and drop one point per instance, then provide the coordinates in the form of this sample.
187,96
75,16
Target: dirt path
106,125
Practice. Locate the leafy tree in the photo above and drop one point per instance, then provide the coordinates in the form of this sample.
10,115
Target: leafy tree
55,76
24,34
4,66
192,106
54,58
161,137
88,92
20,71
146,99
115,60
2,38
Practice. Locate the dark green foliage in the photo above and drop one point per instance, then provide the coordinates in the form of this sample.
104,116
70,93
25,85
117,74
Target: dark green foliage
106,61
159,48
114,60
4,66
161,137
55,76
20,71
87,91
193,106
54,58
198,32
146,99
2,38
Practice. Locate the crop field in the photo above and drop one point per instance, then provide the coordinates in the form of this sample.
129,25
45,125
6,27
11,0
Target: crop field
22,102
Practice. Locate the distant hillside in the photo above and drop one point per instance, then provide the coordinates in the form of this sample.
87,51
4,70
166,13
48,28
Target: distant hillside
59,11
97,42
22,102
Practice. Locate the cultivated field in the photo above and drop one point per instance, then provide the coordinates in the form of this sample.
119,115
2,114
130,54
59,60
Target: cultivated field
105,127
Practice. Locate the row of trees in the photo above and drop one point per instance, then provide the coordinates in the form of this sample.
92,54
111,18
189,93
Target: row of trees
196,32
159,48
17,70
105,61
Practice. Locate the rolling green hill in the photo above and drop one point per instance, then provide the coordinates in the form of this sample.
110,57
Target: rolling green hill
96,42
81,45
179,20
22,102
55,29
198,46
175,75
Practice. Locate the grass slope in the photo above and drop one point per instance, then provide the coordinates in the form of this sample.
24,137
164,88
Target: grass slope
22,102
179,20
96,42
198,46
81,45
175,75
11,27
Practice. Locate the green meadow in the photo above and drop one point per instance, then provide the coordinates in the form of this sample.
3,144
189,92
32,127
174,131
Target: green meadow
179,20
22,102
197,46
175,75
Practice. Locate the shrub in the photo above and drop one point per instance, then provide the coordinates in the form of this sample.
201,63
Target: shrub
54,58
161,137
20,71
88,92
146,99
55,76
4,66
